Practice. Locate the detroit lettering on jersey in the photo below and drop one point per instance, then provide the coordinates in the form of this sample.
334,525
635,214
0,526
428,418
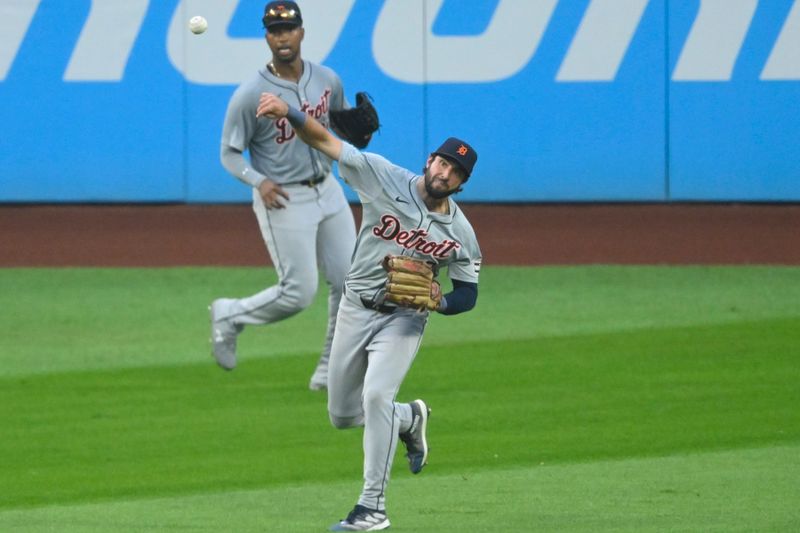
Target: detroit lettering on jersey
318,112
391,230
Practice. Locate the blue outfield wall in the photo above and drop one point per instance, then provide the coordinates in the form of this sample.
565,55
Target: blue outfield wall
565,100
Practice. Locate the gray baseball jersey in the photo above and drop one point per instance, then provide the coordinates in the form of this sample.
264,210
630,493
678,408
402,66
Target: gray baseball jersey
373,349
273,150
316,227
395,221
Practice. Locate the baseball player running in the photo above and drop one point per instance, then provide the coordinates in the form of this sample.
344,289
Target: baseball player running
302,212
410,229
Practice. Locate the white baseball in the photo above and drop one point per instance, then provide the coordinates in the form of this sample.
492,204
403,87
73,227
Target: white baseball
198,24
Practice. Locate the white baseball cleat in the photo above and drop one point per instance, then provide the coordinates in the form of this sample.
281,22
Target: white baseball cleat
319,380
223,336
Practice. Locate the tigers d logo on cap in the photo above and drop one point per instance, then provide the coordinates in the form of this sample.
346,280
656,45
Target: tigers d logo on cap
460,152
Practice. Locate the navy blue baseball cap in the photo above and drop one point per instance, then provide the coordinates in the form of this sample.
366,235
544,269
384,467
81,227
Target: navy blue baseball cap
282,12
460,152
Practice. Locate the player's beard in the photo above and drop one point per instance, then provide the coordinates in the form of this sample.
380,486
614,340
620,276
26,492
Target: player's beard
433,193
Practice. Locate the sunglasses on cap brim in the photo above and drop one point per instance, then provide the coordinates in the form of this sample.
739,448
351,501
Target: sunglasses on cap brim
279,15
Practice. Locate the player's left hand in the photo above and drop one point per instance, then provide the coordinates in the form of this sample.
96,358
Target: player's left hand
410,283
271,106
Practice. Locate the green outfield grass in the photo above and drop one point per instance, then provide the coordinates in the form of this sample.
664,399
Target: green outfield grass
571,399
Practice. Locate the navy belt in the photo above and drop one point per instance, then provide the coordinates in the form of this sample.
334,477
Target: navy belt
381,308
370,304
313,182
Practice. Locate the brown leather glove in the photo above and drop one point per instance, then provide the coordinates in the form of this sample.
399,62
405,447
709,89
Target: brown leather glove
410,283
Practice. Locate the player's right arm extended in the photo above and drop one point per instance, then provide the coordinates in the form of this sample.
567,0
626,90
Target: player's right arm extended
307,128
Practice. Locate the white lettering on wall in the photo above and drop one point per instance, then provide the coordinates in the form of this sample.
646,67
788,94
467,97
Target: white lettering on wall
216,58
784,61
602,40
15,18
403,43
106,40
404,32
714,42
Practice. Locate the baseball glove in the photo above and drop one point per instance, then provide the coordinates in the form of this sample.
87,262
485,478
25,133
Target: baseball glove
357,124
410,283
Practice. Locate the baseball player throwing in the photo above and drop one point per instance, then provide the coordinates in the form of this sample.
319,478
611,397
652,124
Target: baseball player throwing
410,229
301,209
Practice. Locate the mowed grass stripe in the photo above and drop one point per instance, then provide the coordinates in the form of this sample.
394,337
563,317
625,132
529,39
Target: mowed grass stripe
149,432
79,319
727,491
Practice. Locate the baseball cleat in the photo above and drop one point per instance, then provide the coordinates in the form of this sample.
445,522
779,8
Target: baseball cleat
319,380
223,336
415,438
362,519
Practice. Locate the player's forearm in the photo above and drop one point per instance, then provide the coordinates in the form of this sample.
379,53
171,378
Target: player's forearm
462,299
234,162
314,134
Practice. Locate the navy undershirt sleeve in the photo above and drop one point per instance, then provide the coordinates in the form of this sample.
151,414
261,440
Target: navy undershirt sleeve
461,299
